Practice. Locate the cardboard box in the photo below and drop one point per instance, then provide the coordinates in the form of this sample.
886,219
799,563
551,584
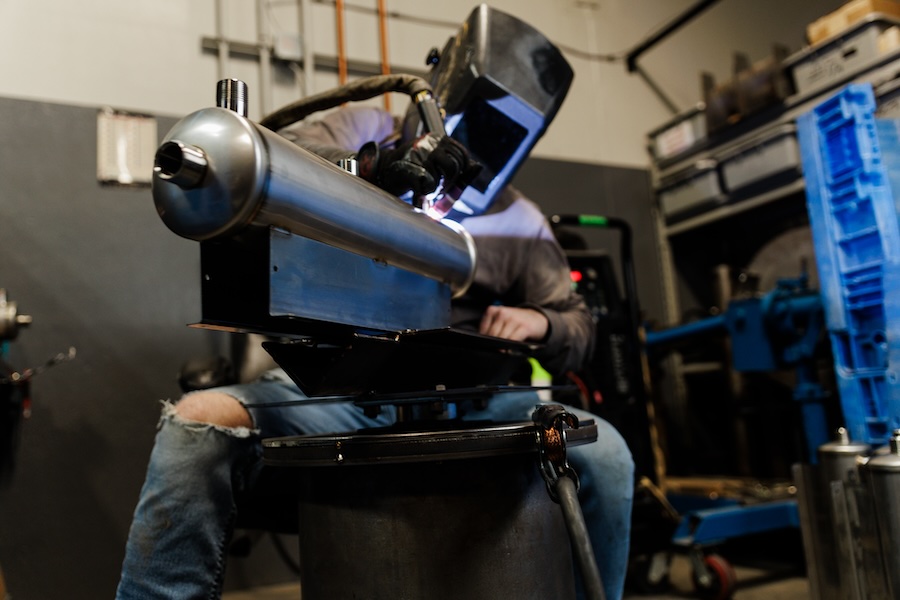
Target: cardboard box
850,13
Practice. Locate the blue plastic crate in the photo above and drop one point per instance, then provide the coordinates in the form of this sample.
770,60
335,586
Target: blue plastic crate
851,163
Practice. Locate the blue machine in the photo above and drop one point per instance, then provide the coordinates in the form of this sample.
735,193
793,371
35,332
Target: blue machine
779,330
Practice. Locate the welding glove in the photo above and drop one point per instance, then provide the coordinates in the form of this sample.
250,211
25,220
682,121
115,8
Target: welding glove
418,165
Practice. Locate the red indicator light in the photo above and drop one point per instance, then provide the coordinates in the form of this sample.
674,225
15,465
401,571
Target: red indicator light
576,276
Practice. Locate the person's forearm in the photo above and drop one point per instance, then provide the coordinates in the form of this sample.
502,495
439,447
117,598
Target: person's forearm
570,341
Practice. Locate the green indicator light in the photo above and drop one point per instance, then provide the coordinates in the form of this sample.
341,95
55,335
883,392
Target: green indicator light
593,220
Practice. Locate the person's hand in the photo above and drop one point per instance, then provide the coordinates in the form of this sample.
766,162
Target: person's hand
511,323
418,165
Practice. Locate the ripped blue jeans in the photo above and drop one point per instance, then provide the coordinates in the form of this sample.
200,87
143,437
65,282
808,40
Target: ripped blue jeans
177,544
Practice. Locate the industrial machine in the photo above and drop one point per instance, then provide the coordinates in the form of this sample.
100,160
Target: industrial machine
316,229
614,382
353,286
15,385
779,330
14,392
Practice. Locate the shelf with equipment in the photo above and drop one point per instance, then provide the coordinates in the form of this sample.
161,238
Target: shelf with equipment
728,194
720,180
744,348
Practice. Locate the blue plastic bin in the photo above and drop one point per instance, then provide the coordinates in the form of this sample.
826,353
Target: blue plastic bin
851,163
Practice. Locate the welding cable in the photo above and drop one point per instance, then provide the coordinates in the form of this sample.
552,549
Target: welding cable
355,91
578,536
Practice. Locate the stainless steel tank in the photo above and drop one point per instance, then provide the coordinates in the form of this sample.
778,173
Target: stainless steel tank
217,172
838,458
838,571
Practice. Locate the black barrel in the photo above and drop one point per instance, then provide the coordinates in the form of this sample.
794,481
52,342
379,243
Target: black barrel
443,515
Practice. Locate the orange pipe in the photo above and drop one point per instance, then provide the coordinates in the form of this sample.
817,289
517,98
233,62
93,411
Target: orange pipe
385,61
342,51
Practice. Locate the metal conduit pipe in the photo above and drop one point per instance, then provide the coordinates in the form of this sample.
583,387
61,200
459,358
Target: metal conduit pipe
217,173
341,43
265,59
222,42
383,37
306,28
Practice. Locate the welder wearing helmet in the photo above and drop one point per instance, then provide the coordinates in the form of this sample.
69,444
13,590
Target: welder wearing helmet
500,83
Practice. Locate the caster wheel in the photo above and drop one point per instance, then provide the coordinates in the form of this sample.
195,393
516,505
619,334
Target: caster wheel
649,573
720,580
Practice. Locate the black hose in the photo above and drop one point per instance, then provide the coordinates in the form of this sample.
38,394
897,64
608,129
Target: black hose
355,91
578,536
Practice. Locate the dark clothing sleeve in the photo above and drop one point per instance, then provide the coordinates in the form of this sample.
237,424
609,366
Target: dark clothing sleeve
569,343
521,264
339,134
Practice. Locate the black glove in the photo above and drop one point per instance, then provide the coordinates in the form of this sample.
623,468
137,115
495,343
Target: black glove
418,165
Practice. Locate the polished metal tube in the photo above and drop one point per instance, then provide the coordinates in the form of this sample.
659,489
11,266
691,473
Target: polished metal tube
254,176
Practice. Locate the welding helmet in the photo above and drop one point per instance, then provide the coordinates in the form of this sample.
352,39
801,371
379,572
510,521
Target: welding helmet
499,83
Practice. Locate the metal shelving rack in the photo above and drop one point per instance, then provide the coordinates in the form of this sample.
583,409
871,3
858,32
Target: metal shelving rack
784,193
881,72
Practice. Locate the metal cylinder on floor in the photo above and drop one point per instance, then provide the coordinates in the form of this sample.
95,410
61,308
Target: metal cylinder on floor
884,479
839,572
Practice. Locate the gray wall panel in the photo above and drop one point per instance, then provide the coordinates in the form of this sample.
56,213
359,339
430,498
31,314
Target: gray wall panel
97,270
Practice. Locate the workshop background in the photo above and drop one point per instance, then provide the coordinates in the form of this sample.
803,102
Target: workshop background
85,255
